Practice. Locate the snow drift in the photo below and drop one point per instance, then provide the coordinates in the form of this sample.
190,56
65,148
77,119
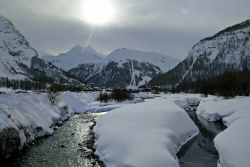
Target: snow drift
146,134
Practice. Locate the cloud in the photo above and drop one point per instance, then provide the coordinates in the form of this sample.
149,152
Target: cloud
168,27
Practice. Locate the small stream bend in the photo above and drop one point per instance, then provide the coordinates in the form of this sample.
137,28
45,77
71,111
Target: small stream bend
200,151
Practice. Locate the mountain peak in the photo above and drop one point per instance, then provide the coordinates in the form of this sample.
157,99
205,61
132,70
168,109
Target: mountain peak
77,47
77,55
236,27
17,45
80,50
3,21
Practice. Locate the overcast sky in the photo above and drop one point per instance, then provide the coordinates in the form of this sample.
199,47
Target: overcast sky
169,27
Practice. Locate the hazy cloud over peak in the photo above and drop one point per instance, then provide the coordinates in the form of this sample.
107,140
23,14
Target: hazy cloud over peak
167,27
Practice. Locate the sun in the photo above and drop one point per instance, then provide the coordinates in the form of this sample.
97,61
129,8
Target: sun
98,11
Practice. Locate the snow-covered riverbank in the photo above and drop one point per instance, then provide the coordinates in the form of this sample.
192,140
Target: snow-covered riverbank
26,116
232,144
144,134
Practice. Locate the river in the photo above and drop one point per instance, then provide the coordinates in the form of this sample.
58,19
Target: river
200,151
72,145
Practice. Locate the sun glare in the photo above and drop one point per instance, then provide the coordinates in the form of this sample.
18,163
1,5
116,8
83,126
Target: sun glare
98,11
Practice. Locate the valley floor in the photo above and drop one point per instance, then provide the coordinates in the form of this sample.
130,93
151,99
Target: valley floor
141,134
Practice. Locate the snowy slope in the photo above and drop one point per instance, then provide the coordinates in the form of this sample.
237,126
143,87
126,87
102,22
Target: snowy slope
77,55
14,49
230,48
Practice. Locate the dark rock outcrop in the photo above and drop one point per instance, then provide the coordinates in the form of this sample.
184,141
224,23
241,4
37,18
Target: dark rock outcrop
10,141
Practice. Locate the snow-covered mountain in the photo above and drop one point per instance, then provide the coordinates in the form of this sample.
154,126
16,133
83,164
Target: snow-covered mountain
165,63
229,49
124,67
74,57
18,60
14,49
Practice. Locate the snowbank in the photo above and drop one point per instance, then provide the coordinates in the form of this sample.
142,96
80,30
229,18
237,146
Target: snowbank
232,144
23,117
214,109
78,102
28,115
145,134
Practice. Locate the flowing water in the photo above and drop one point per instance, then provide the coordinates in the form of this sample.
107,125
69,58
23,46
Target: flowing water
200,151
71,145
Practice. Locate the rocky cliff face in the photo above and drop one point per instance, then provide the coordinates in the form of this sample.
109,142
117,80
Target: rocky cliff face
227,50
10,141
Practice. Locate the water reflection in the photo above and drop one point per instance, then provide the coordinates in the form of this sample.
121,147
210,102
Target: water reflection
71,145
201,151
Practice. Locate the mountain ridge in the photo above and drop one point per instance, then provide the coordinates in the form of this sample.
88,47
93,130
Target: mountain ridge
228,49
159,60
124,68
73,57
126,64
